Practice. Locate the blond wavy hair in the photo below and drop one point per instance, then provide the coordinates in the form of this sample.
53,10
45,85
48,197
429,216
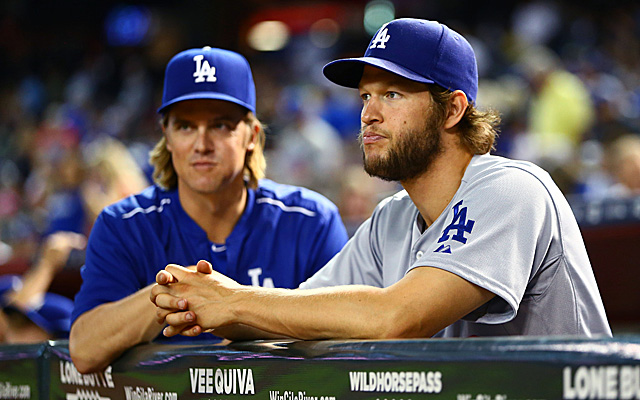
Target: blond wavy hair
478,129
255,165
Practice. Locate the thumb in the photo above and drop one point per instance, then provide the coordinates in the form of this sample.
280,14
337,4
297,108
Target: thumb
204,267
163,278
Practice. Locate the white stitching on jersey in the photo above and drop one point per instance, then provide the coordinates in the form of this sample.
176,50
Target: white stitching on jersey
286,208
147,210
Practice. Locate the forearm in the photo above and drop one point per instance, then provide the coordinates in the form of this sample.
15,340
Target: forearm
100,335
421,304
35,284
239,332
341,312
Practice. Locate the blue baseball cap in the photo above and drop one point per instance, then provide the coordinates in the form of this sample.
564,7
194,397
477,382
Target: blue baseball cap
208,73
416,49
53,314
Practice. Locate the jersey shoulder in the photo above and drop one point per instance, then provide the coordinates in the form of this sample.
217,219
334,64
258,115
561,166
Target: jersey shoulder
505,175
152,200
482,165
293,198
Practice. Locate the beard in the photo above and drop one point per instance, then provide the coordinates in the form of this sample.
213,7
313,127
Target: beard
409,154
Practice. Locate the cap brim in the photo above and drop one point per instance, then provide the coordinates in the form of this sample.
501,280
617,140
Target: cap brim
204,96
54,316
348,71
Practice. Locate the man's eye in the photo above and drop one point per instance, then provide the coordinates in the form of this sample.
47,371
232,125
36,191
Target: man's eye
222,126
365,96
393,95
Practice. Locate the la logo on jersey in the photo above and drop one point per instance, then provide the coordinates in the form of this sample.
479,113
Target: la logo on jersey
254,274
204,71
460,224
381,39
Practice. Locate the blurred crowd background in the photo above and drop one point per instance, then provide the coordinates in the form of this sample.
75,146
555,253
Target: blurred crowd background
80,83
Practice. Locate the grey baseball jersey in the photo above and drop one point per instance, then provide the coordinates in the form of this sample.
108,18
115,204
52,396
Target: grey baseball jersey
508,229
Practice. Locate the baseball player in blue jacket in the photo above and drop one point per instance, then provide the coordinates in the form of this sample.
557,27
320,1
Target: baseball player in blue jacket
210,201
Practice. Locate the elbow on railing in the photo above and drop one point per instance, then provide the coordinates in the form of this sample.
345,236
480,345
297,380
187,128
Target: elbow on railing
85,355
404,323
85,362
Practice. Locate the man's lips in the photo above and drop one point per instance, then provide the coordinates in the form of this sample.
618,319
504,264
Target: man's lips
371,137
203,164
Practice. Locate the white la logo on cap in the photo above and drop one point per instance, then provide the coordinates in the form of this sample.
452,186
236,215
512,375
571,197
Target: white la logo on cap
204,69
381,39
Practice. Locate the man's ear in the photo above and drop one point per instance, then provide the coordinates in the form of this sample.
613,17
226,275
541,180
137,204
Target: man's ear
254,130
167,143
457,107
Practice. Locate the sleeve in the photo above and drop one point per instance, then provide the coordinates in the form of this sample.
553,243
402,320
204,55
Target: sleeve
357,263
108,274
490,237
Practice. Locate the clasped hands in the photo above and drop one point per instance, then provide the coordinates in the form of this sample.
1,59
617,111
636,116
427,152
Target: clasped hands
192,300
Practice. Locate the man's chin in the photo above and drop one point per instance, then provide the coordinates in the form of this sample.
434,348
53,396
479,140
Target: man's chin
377,172
203,187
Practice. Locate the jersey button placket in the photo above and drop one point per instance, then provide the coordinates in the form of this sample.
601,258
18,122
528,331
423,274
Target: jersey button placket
419,254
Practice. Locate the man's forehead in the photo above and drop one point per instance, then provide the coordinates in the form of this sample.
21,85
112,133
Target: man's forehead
213,108
373,75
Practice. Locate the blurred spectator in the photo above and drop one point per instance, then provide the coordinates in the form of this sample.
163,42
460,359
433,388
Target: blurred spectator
31,314
58,183
623,164
536,22
65,206
559,114
308,151
112,175
560,110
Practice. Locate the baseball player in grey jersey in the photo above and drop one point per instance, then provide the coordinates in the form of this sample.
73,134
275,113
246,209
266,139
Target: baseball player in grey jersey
476,245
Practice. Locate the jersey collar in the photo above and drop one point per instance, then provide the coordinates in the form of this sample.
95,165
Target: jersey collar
192,229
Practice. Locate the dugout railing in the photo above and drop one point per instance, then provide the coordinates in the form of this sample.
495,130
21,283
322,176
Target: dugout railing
474,368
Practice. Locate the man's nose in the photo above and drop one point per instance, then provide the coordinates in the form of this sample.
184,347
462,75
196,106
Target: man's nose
204,140
371,112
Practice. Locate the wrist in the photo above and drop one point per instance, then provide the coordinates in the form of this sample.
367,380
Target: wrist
241,304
